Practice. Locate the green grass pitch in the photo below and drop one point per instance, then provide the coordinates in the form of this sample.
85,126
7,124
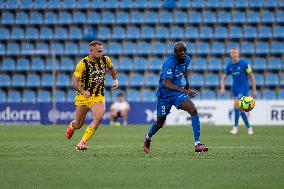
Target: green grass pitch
41,157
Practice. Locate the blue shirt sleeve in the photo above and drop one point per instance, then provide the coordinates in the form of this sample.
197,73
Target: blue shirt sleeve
168,70
227,69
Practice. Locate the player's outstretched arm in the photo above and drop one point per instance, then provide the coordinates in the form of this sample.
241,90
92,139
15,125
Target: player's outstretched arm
223,81
253,85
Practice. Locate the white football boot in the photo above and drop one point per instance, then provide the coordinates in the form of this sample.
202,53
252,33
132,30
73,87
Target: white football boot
234,130
250,131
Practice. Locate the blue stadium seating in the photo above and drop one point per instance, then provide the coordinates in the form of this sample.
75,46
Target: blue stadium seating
250,32
57,48
79,18
23,64
40,4
14,96
71,96
32,33
271,79
149,96
248,48
63,80
42,48
60,33
122,17
7,18
217,48
196,80
203,48
69,4
129,48
253,17
33,80
212,80
280,16
199,64
282,80
3,96
60,96
47,80
162,32
71,48
108,17
259,79
278,31
133,32
133,95
123,80
118,33
259,63
52,64
274,63
75,33
206,32
166,17
54,4
27,48
268,94
267,17
158,48
238,17
36,18
151,80
221,32
37,64
208,94
64,18
8,64
277,47
140,64
191,32
241,3
137,17
104,33
5,80
2,49
5,32
29,96
195,17
125,63
46,33
215,64
235,32
43,96
224,17
93,18
50,18
155,63
151,17
136,80
226,96
17,33
126,4
11,4
180,17
209,17
177,33
18,80
143,48
264,32
21,18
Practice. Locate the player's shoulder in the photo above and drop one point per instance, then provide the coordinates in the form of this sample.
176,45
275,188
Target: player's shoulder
244,62
170,60
229,63
187,60
107,58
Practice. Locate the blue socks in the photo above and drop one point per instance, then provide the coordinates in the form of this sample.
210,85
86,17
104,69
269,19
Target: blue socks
152,131
196,127
237,116
245,118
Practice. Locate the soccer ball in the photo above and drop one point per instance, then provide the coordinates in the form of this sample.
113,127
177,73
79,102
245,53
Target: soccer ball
246,103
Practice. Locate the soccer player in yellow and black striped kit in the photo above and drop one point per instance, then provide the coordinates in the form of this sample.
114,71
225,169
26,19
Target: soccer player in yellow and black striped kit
88,80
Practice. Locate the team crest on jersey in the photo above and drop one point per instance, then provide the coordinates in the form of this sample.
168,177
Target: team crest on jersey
169,71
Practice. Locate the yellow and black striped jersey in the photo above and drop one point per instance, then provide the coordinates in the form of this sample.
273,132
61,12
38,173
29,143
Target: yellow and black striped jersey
92,74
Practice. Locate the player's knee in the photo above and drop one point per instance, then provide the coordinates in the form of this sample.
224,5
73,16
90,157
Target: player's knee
193,111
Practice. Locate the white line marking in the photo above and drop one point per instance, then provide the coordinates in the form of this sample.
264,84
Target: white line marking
234,147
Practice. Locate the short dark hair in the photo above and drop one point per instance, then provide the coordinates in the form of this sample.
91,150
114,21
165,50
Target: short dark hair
94,43
179,45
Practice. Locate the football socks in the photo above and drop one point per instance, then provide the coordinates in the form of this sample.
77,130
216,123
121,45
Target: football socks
152,131
245,118
237,116
196,127
88,134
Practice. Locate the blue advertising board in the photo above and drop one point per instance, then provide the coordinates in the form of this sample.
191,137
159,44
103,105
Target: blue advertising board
44,113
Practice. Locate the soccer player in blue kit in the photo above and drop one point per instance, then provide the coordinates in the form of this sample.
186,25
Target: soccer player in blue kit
171,92
240,71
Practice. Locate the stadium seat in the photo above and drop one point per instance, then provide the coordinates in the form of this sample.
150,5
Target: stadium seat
57,48
17,33
5,80
155,63
40,4
194,17
224,17
151,17
18,80
33,80
8,64
133,32
180,17
70,96
47,80
262,47
140,64
264,32
129,48
83,48
238,17
218,48
149,96
37,64
183,4
118,32
7,18
280,16
220,32
11,4
208,94
3,96
282,79
199,64
278,31
93,18
36,18
122,17
250,32
281,94
13,48
268,94
277,47
108,17
75,33
21,18
253,16
52,64
46,33
31,33
123,80
271,79
71,48
203,48
111,4
209,17
27,48
144,48
90,33
5,32
104,33
43,96
267,17
54,4
259,64
137,17
23,64
191,32
196,80
212,80
79,18
133,95
60,33
115,48
206,32
215,63
29,96
235,32
67,64
50,18
136,80
177,33
14,96
126,4
274,63
158,48
226,96
259,79
231,45
60,96
212,3
2,49
42,48
125,63
247,47
166,17
147,32
152,80
162,32
68,4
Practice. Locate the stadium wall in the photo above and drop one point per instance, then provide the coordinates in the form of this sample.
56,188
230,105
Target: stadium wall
211,113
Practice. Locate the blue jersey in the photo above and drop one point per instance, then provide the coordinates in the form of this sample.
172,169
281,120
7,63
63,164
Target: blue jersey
239,72
174,71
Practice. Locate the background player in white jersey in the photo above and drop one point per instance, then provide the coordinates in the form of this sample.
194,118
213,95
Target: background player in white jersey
119,108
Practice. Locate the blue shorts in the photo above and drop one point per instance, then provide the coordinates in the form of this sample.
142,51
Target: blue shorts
238,94
166,101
